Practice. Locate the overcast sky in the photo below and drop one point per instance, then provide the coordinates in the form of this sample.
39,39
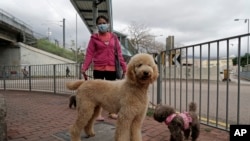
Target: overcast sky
190,21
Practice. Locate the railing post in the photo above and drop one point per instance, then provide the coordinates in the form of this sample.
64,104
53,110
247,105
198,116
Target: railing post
29,78
159,80
4,78
54,78
80,70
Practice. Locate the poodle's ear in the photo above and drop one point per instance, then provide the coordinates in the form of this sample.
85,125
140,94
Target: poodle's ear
131,72
160,113
171,110
155,74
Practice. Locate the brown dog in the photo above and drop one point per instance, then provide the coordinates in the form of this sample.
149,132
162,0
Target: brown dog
127,97
186,122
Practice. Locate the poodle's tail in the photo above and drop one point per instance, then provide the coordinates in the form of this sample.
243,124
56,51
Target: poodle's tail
74,85
192,107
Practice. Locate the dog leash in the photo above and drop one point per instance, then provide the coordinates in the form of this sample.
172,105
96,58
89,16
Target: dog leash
152,103
86,76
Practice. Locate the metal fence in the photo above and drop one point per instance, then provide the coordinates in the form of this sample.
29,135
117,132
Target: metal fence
49,78
202,73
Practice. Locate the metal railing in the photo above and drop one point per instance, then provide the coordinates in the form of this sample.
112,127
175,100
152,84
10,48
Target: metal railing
202,74
49,78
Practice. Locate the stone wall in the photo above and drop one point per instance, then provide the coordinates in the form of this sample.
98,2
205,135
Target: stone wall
3,124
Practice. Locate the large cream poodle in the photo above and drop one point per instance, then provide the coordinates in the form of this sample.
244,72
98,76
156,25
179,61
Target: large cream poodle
127,97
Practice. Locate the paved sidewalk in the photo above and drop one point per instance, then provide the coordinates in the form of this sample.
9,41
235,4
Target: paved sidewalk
36,116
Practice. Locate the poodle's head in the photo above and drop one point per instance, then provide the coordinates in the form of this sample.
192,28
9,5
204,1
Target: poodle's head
142,69
162,112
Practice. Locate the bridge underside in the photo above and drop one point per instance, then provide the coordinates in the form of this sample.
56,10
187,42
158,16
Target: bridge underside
88,10
4,42
13,32
10,33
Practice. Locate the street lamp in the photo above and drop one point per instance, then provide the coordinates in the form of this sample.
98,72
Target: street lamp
246,21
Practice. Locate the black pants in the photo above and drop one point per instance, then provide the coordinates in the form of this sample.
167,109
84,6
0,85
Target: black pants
107,75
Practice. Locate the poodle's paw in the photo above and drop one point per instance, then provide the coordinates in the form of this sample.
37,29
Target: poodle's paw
90,135
75,139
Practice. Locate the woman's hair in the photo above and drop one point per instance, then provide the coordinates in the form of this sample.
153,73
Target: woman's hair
101,17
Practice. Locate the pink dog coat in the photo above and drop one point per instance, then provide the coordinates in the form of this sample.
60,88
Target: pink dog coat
185,116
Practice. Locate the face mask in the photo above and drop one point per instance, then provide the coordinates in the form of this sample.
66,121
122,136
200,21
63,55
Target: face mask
103,27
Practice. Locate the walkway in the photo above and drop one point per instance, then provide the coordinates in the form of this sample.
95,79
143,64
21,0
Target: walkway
36,116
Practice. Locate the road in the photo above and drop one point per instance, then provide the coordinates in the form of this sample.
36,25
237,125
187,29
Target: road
216,102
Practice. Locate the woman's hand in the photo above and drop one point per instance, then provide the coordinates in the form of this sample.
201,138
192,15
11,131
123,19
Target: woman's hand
84,75
123,75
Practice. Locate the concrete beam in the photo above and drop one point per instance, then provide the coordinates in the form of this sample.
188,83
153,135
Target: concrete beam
7,37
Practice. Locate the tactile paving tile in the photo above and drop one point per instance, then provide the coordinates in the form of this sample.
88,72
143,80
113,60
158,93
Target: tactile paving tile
103,132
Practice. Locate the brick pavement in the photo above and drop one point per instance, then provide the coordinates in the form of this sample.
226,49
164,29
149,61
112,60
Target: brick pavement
36,116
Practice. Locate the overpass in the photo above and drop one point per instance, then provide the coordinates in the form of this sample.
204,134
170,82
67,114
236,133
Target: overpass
13,30
16,40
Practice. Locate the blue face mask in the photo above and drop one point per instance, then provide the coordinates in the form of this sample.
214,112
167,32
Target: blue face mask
103,27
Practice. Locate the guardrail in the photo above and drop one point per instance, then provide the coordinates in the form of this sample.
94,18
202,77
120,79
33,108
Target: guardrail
204,73
50,78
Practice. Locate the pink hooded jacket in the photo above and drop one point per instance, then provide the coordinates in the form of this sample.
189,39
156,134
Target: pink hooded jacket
102,54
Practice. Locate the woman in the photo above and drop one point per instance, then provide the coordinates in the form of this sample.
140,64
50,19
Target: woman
101,51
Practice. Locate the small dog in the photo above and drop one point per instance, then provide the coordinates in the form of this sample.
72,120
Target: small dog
72,101
177,123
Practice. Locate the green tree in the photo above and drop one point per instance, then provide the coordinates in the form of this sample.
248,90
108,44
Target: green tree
243,60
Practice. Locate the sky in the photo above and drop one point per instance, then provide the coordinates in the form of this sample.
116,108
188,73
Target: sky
189,21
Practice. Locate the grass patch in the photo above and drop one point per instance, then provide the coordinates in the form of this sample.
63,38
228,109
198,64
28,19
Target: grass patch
150,112
47,46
